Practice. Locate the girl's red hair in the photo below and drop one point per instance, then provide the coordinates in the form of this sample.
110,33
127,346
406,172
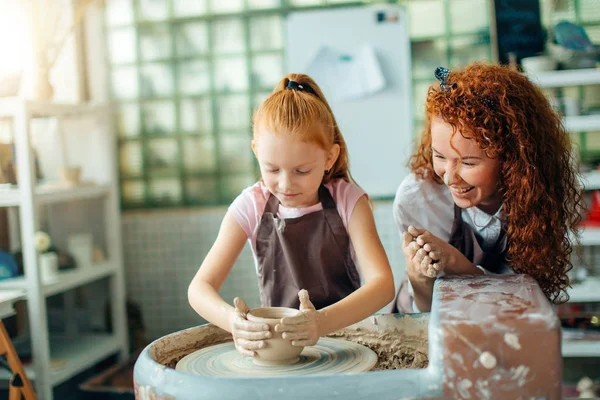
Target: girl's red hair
306,116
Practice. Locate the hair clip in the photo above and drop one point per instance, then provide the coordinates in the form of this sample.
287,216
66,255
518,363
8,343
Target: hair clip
293,85
441,74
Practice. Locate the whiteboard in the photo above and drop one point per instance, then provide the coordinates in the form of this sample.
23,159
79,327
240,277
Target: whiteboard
378,128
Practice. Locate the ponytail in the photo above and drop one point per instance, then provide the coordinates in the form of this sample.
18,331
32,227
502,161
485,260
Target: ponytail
297,105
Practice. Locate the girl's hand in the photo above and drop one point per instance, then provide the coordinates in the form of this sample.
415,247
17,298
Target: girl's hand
301,329
247,335
443,255
420,262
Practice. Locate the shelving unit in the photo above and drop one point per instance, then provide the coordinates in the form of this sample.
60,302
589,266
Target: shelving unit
76,352
589,290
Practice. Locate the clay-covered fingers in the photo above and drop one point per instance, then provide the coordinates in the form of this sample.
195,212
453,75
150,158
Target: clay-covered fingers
250,330
248,347
424,238
241,308
433,254
299,331
407,239
305,303
294,320
249,336
420,256
415,232
302,334
409,246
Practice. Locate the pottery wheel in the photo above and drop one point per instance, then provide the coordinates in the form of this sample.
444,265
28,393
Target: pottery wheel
328,356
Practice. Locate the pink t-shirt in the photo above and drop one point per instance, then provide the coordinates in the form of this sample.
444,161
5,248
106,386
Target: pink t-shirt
248,207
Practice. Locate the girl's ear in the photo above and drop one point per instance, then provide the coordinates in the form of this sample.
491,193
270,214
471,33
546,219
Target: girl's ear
333,155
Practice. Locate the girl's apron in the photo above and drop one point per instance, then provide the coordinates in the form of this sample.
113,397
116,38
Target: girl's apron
310,252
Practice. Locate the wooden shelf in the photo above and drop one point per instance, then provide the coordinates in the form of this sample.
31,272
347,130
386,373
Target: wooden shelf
66,280
54,194
570,77
74,355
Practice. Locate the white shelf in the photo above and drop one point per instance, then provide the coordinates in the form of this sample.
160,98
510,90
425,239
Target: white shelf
590,236
72,356
582,123
571,77
586,291
84,352
7,298
54,194
581,348
66,280
9,106
591,180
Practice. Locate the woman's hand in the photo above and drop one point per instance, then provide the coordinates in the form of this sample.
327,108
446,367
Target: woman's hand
421,264
247,335
301,329
443,256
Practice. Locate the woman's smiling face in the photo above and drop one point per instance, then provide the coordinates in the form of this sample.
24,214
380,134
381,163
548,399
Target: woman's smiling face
465,168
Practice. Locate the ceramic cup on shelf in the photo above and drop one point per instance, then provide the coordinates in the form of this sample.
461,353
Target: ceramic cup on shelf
278,351
48,267
70,175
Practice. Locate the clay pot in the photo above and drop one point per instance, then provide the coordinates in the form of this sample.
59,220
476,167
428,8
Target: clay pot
70,175
278,351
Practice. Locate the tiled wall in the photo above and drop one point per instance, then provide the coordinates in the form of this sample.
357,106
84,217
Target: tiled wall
163,250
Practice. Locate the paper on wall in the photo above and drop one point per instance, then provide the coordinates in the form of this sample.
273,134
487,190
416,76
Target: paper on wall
347,76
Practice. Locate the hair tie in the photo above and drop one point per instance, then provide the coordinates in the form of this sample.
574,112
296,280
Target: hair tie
293,85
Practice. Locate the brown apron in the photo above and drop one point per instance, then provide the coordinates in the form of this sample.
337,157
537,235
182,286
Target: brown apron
463,238
310,252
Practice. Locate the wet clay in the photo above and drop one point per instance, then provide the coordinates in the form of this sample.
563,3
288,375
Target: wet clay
394,350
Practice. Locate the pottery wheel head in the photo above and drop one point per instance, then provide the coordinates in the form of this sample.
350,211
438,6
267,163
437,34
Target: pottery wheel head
328,356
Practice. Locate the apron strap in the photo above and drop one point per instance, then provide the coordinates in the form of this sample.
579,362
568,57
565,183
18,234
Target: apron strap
325,198
272,205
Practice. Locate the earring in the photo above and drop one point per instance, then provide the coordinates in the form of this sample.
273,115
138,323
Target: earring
327,171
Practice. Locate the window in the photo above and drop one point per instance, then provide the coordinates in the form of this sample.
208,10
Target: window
186,76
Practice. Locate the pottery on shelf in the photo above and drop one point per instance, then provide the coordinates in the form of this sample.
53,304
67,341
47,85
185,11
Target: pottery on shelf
49,267
278,351
70,175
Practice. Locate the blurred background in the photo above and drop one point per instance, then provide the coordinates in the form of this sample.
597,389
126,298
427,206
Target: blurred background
125,130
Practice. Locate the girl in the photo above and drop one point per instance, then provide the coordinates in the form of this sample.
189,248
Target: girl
493,188
308,224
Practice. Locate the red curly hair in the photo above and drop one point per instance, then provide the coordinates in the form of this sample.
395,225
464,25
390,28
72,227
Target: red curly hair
511,119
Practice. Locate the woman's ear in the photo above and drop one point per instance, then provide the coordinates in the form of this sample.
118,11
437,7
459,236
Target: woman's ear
333,155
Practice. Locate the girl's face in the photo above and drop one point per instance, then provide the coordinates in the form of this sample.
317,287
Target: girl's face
469,173
292,169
